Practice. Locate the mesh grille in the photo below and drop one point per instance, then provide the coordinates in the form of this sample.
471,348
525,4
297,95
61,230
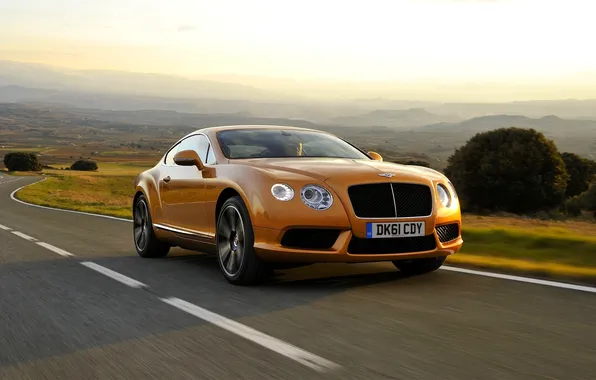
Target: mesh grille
372,201
392,245
377,200
448,232
412,199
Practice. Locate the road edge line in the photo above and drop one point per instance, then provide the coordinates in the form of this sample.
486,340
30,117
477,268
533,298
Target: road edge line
529,280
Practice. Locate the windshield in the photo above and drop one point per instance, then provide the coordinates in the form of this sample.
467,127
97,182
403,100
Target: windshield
275,143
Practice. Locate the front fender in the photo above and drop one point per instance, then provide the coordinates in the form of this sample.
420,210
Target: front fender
254,186
146,183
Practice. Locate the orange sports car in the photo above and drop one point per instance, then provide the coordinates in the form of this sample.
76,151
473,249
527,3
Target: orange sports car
266,197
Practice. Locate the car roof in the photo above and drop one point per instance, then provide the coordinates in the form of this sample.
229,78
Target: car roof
216,129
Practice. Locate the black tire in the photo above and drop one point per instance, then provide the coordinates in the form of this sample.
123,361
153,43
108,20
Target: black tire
419,266
235,245
145,241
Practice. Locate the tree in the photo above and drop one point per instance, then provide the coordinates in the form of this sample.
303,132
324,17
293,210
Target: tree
84,165
508,169
22,162
581,172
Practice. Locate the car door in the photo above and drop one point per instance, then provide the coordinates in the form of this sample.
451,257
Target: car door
183,189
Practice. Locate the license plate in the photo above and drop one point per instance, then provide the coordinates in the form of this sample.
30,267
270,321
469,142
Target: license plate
393,230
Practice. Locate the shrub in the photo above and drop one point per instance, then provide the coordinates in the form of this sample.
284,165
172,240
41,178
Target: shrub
414,162
22,162
588,198
573,206
84,165
581,172
508,169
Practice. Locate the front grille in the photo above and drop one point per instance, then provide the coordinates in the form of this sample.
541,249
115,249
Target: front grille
448,232
391,200
310,238
392,245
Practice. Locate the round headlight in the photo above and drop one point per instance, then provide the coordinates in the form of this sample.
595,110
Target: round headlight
282,192
444,196
316,197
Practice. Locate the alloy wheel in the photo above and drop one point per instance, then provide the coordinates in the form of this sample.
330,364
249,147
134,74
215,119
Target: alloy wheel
230,240
141,225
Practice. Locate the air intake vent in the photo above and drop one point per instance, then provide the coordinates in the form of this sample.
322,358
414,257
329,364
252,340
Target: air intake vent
448,232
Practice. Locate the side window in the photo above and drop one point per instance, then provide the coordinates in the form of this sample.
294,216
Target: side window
170,156
198,143
202,145
210,157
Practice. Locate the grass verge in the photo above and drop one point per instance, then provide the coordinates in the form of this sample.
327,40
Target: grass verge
107,191
107,195
559,249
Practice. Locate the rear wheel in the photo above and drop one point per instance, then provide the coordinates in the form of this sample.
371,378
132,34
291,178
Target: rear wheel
419,266
235,239
146,243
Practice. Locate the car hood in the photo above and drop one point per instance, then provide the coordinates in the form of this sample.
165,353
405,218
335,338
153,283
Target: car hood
342,170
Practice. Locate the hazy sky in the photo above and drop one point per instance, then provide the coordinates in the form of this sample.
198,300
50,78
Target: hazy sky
348,39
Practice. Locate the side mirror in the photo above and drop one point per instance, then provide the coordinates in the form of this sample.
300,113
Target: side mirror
188,158
375,156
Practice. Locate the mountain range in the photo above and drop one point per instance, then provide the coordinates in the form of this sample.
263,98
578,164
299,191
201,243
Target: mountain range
120,90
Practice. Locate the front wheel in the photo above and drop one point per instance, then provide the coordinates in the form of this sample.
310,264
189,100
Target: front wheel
419,266
146,243
235,239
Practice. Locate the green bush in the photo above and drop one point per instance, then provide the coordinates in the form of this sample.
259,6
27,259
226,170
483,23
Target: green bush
84,165
413,162
581,172
512,169
573,206
588,198
22,162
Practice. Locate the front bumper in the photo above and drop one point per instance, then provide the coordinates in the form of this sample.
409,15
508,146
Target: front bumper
345,246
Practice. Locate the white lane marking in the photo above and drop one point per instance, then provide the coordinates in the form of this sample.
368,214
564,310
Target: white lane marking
57,250
555,284
114,275
5,228
22,235
13,197
283,348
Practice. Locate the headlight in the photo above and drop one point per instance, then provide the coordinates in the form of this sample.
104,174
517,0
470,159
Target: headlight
452,188
282,192
316,197
444,196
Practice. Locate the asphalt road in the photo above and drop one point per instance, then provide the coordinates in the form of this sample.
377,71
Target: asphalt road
76,302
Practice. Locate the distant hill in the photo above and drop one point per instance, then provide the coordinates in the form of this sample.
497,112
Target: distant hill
308,110
412,117
550,125
570,108
439,140
62,118
86,130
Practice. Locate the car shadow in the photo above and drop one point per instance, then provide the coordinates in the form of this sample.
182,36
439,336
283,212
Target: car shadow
329,275
196,278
